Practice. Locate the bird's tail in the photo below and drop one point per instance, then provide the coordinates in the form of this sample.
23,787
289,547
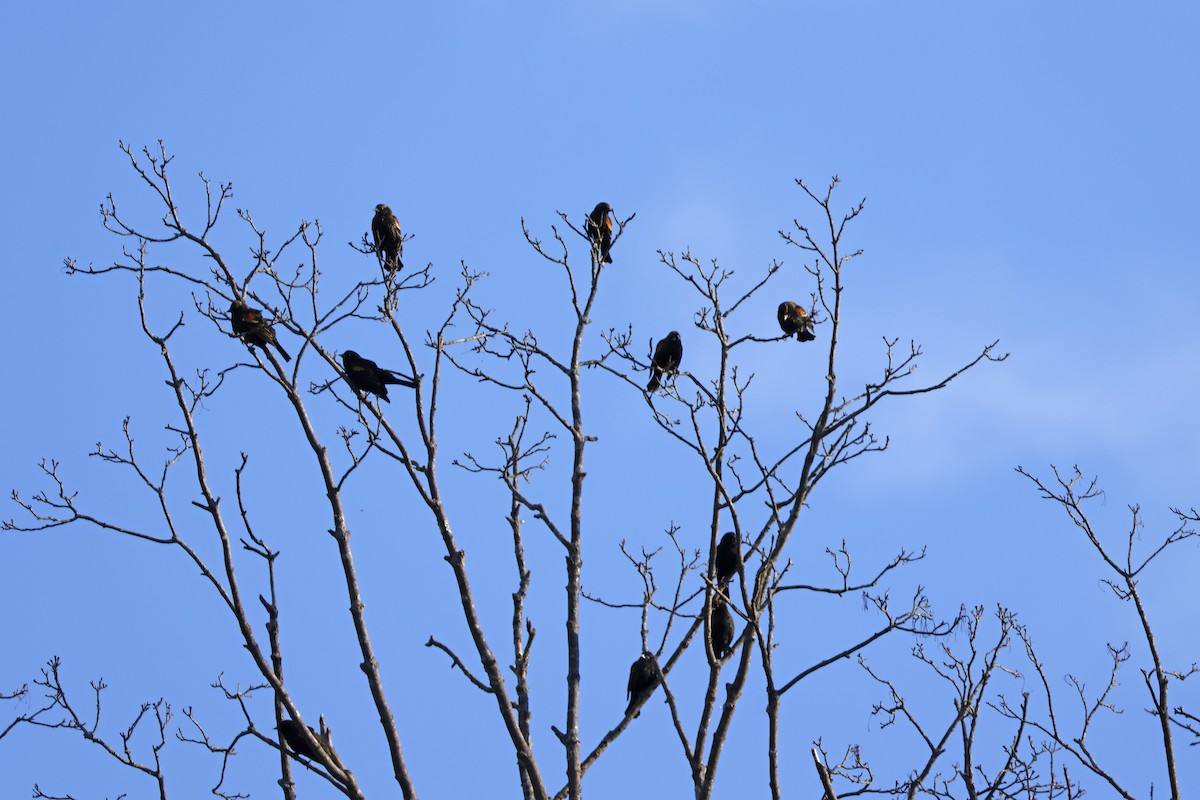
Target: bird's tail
655,381
282,352
390,376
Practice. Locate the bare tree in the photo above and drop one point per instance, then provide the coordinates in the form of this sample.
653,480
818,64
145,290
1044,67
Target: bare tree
1004,731
1125,566
757,484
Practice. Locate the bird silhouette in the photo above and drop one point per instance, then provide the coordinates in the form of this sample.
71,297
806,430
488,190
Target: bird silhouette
293,736
643,678
794,319
721,629
667,355
599,229
364,375
249,325
389,242
727,559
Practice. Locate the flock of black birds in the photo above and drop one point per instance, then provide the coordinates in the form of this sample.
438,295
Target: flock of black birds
644,674
793,320
365,376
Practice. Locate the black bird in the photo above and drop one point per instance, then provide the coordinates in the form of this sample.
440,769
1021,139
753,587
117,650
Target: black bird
643,678
721,629
727,559
794,319
599,229
293,737
667,355
389,242
364,375
249,325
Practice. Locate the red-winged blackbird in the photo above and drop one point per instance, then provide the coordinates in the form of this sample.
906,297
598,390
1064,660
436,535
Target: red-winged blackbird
248,323
294,738
365,375
721,629
727,559
389,242
667,355
794,319
599,229
643,678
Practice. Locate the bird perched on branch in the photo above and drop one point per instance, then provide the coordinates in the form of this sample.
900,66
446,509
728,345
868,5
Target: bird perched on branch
599,229
667,355
249,325
389,242
364,375
643,678
794,319
721,629
728,558
293,737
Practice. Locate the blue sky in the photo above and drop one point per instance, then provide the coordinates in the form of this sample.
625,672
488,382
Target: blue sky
1030,174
